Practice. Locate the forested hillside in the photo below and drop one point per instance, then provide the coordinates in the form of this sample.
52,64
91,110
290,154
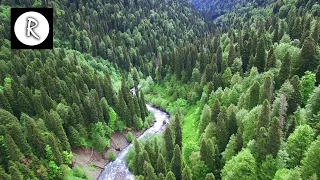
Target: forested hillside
74,96
244,98
212,9
244,101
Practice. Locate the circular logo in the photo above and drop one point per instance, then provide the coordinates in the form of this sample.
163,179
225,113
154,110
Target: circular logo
31,28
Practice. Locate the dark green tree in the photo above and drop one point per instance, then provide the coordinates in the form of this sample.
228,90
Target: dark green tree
177,162
168,139
274,137
254,93
271,60
148,172
284,72
308,58
161,165
170,176
260,59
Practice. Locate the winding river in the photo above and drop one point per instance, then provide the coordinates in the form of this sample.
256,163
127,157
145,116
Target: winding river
118,169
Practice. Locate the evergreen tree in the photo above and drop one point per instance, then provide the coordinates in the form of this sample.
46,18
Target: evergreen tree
267,89
295,99
262,131
208,153
168,139
4,103
186,173
148,172
232,54
52,142
178,129
205,119
34,136
161,165
177,162
16,132
222,131
274,137
313,109
170,176
4,175
260,59
14,171
24,104
254,93
13,149
308,59
284,73
271,60
215,111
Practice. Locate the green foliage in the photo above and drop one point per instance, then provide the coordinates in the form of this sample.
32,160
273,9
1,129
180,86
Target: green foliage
129,137
310,164
242,166
307,84
111,155
298,143
99,137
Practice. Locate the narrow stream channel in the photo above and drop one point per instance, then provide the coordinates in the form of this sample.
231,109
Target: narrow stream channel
118,169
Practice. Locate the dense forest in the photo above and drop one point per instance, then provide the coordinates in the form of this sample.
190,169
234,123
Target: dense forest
241,84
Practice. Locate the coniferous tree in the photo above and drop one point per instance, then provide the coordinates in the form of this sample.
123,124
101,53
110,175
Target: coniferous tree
178,129
24,104
148,172
308,59
271,60
284,72
186,173
16,132
13,149
260,59
204,120
34,136
4,175
177,162
161,165
168,143
262,131
274,137
232,54
222,131
295,99
215,111
51,141
170,176
254,93
316,31
4,104
14,171
267,89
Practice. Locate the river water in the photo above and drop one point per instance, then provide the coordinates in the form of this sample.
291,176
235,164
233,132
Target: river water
118,169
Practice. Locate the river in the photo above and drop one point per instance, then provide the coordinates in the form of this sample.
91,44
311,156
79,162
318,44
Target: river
118,169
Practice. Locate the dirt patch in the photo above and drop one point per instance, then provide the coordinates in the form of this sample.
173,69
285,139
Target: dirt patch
93,162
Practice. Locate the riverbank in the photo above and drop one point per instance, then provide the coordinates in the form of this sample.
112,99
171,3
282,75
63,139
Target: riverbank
92,162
